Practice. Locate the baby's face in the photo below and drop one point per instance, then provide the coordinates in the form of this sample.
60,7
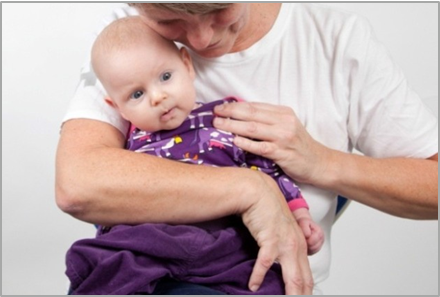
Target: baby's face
152,86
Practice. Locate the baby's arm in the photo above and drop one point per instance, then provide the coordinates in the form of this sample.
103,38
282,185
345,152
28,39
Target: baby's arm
312,231
300,210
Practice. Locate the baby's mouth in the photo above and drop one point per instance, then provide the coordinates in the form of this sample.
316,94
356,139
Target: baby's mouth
168,114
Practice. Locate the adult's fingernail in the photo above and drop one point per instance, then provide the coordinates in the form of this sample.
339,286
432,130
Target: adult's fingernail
218,121
219,107
254,288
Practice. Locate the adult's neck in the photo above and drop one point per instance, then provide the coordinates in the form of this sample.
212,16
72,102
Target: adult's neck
262,17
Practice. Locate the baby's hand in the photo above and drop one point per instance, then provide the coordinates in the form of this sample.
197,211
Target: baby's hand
312,231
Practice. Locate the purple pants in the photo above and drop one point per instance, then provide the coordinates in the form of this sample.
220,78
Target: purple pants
132,259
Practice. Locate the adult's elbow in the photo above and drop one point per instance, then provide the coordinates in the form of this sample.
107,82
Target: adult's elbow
69,200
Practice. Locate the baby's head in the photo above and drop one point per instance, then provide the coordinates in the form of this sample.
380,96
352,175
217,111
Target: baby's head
146,77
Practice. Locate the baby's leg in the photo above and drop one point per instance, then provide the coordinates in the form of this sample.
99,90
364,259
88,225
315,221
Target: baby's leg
312,231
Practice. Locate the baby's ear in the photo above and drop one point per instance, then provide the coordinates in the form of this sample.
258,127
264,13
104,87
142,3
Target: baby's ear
187,61
110,102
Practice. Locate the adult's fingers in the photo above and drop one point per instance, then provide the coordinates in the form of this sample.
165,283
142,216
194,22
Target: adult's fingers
297,275
262,148
257,112
251,129
263,263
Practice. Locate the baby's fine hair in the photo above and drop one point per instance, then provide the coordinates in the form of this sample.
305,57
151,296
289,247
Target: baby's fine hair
122,34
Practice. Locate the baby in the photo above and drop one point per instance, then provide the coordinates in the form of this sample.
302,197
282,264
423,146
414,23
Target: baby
150,82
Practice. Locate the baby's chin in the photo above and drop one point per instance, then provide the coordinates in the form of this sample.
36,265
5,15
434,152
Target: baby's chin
172,124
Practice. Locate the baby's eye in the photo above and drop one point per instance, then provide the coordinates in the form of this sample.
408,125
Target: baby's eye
166,76
136,95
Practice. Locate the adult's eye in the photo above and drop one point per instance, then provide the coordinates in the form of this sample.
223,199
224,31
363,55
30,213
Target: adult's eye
166,23
136,95
166,76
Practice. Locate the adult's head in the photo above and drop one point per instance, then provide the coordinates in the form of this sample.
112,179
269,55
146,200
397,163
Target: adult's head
147,78
210,29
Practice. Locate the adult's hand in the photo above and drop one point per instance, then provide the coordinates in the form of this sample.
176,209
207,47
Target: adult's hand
274,132
280,240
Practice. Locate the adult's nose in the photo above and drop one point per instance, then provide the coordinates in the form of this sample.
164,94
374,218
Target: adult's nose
200,37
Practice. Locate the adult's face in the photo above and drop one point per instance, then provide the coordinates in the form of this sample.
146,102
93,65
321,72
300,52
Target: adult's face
209,35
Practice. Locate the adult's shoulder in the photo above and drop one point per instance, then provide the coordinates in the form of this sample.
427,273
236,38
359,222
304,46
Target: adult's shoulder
326,18
331,28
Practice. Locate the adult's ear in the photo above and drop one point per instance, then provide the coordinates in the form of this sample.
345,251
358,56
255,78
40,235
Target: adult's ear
186,58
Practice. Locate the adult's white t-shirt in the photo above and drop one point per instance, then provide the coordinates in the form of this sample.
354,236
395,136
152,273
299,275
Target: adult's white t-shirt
327,66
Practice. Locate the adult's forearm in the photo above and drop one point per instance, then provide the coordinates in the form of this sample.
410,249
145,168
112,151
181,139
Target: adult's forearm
97,181
403,187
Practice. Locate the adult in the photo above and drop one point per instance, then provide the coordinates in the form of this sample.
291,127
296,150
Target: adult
321,85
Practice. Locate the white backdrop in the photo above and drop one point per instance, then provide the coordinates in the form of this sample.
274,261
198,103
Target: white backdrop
43,48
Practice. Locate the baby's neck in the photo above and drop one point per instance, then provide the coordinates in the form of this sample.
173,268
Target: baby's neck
197,105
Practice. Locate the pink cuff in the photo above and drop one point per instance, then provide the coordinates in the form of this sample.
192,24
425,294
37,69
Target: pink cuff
298,203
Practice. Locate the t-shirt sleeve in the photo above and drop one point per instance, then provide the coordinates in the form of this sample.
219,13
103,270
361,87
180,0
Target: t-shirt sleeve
386,117
88,100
